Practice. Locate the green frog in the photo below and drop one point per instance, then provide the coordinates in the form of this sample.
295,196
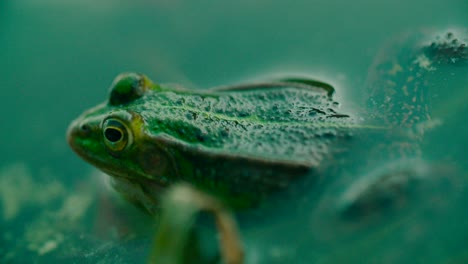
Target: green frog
238,142
251,145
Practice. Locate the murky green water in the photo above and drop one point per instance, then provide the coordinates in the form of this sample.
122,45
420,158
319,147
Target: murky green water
57,58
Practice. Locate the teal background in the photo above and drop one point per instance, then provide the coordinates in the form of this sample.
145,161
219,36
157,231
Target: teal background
58,58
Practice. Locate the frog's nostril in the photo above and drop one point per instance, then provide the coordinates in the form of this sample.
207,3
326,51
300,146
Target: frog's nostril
85,129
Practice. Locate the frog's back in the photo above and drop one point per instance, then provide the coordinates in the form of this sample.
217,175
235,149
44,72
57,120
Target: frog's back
246,142
273,123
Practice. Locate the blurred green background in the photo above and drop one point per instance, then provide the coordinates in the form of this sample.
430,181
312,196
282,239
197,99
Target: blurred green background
58,58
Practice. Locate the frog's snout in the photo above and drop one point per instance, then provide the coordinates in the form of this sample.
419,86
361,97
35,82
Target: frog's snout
77,130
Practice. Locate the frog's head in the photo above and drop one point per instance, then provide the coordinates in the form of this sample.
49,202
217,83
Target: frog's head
113,136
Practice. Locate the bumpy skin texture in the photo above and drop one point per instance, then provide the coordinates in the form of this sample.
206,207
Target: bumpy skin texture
239,142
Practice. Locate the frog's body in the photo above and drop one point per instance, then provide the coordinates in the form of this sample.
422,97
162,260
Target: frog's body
242,143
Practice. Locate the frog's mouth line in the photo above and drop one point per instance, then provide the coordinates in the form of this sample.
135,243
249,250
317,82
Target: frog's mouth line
104,166
89,156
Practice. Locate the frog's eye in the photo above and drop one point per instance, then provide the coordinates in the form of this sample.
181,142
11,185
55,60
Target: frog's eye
116,134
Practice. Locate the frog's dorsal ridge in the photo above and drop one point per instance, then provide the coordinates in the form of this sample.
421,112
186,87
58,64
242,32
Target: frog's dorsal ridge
299,83
128,87
311,82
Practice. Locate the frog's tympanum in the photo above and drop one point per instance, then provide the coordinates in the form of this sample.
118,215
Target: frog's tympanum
235,146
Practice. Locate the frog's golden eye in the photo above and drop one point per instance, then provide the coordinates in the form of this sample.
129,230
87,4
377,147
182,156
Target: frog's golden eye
116,134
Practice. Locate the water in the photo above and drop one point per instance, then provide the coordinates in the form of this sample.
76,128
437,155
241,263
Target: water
57,58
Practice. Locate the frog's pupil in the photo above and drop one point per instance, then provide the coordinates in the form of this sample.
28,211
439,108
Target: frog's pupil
112,134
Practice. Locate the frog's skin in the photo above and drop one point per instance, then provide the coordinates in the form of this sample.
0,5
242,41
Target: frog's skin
241,144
